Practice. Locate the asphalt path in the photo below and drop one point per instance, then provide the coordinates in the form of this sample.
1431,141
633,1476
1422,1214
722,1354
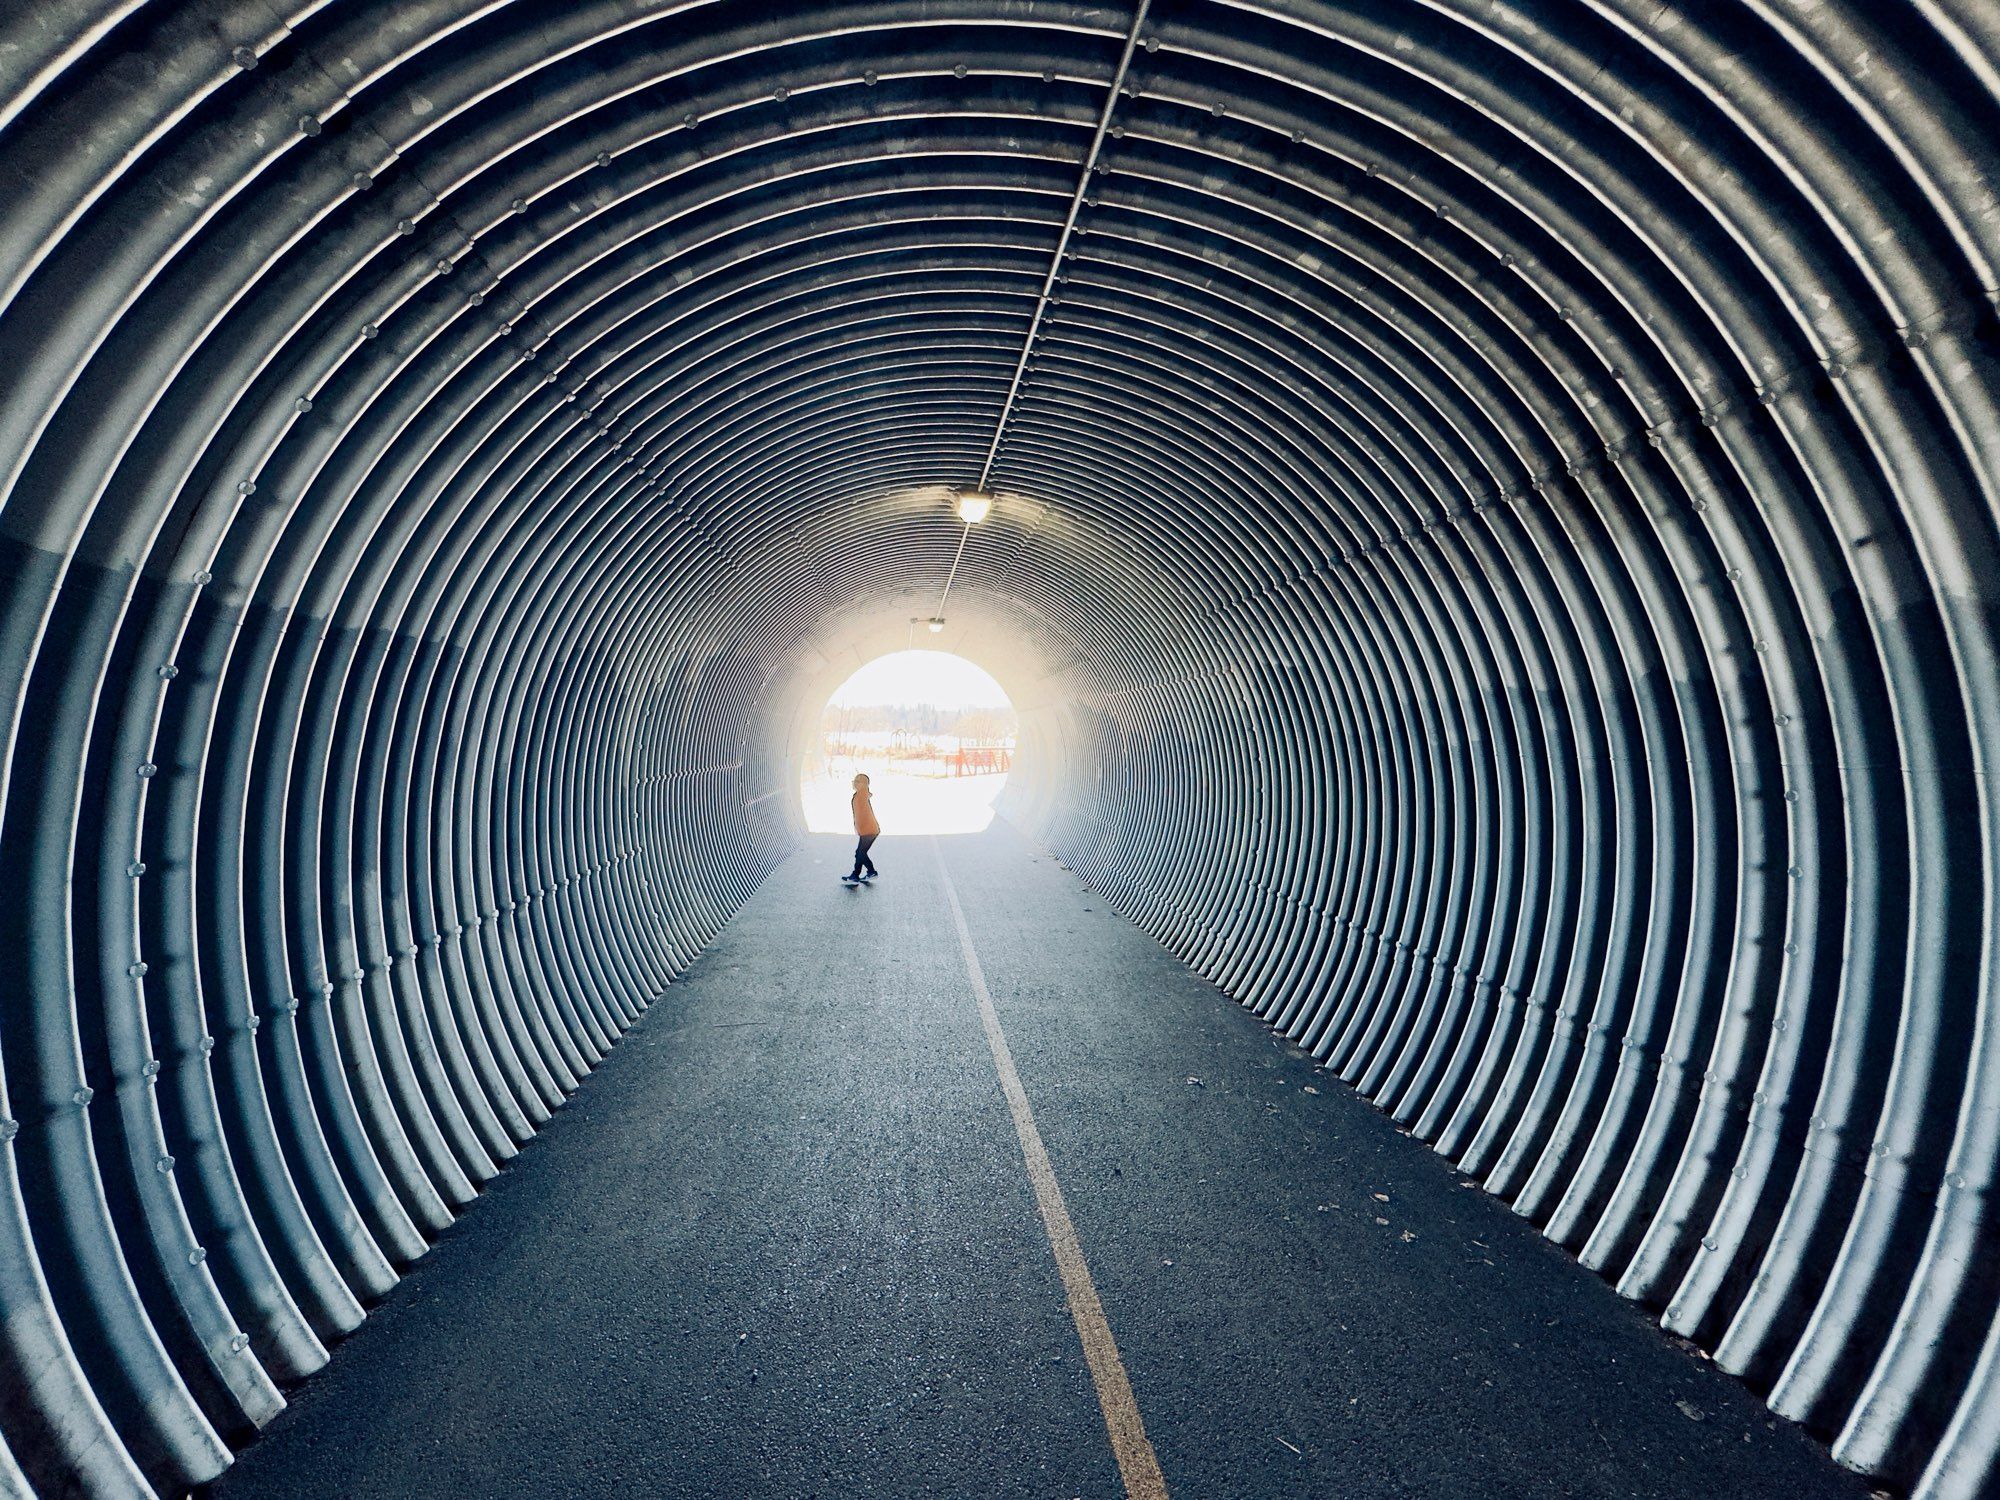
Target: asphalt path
785,1243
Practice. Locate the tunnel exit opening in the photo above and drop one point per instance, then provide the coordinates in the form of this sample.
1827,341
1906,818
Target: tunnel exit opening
934,733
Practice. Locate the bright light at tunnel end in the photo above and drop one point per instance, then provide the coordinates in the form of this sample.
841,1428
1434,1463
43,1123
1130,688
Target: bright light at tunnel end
934,732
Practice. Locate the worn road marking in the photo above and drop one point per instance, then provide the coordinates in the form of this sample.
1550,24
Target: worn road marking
1136,1461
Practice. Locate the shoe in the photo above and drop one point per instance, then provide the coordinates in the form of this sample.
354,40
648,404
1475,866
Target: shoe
850,880
867,879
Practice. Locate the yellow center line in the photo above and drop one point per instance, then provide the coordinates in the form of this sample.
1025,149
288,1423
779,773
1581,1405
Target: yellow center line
1137,1464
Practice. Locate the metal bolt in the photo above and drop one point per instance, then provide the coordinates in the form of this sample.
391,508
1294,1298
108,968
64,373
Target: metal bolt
204,577
197,1255
604,158
151,1069
136,868
136,970
147,771
244,58
405,226
9,1129
308,125
246,487
519,205
82,1096
239,1343
363,182
868,77
206,1046
165,1165
958,71
255,1022
370,330
169,672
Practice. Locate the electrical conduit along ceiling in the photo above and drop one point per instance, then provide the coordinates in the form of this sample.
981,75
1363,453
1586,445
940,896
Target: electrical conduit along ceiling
1495,548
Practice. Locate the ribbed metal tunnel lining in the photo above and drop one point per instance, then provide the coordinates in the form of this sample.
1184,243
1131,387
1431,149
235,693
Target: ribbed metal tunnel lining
1496,552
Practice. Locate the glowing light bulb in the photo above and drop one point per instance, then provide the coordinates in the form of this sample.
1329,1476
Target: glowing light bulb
936,623
973,506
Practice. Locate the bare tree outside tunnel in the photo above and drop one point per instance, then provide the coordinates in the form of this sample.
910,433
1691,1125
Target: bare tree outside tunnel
935,735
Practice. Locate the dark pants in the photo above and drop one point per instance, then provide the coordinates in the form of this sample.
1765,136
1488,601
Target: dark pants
861,859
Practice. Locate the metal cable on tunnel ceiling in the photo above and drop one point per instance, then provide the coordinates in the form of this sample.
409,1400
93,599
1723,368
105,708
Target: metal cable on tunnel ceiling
1076,203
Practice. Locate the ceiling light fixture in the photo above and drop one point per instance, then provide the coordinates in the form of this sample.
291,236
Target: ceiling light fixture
973,506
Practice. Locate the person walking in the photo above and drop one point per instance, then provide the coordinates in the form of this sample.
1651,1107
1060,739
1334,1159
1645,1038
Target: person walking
866,831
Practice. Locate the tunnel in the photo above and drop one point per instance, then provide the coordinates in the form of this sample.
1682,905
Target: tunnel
1494,543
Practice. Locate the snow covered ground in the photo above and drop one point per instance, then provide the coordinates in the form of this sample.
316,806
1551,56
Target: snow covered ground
905,804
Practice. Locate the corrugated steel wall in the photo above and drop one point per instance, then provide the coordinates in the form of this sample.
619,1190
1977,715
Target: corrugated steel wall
1498,549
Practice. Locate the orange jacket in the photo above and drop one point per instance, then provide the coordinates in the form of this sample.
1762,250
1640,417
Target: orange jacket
864,816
